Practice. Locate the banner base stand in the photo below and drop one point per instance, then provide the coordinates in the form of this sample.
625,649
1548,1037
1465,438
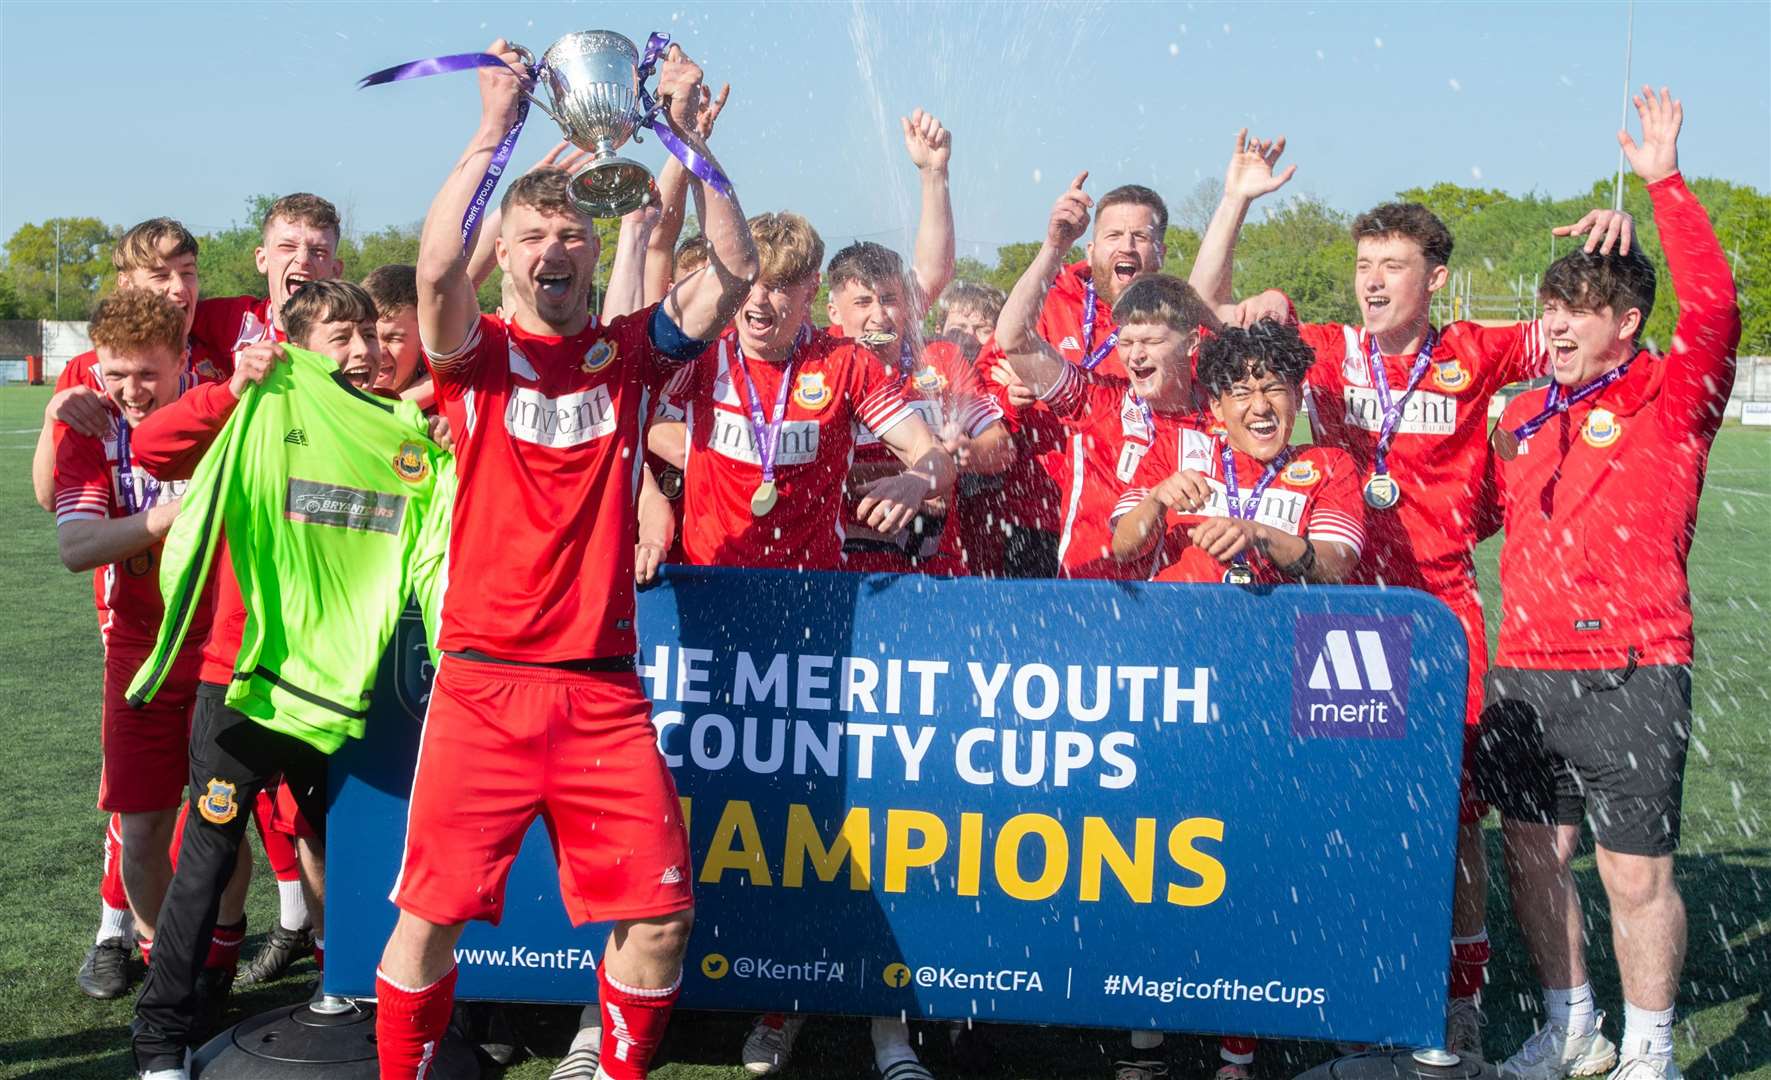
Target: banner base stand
1401,1065
293,1041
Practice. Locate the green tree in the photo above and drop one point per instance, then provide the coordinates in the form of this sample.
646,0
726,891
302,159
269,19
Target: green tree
1303,248
77,256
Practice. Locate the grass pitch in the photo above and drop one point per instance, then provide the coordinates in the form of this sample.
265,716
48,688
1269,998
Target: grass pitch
50,835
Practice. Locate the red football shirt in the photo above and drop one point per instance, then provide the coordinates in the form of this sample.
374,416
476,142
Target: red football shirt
1439,450
838,388
226,324
1316,495
1600,504
90,483
548,465
944,391
1107,434
1033,487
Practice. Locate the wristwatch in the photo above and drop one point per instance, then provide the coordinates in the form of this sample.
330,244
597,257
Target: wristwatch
1304,564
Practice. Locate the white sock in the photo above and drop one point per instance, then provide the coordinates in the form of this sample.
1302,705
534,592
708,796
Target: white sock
1146,1040
292,905
1571,1009
113,922
1646,1032
891,1041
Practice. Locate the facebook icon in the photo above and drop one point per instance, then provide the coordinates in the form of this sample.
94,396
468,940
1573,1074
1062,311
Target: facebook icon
1350,677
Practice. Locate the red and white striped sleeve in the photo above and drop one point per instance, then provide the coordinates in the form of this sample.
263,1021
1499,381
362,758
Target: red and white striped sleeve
976,413
1068,394
878,397
82,477
1337,512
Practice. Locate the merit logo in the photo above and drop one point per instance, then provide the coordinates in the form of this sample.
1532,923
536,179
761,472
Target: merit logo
1350,677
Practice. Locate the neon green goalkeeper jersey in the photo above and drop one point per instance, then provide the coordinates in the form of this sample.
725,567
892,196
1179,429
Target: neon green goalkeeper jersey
335,507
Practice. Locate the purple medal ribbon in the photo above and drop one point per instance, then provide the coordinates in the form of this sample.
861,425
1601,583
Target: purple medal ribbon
442,65
766,433
1380,381
692,161
1233,502
1092,356
1555,404
126,473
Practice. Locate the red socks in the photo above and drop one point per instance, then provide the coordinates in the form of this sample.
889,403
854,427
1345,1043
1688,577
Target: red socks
1237,1049
1469,965
110,887
409,1025
224,946
279,850
634,1019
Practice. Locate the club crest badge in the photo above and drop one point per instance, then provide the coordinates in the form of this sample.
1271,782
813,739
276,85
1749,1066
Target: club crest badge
1301,474
599,356
1451,376
410,463
930,381
811,391
139,564
217,805
1601,429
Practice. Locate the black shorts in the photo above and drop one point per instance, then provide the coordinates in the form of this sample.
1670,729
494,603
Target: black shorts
1608,745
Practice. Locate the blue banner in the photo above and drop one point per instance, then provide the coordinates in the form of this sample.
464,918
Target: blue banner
1188,808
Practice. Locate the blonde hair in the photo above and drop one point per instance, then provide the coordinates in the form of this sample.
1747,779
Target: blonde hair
130,320
790,250
143,246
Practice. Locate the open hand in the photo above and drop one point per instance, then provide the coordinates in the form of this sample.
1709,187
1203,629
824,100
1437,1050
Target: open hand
1250,174
1604,230
1658,155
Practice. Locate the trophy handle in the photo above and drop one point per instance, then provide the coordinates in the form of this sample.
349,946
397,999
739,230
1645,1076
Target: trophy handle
528,59
543,106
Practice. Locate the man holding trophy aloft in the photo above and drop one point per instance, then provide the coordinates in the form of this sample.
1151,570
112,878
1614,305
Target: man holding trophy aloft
537,709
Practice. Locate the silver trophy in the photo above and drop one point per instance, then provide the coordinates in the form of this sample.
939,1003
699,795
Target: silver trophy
592,77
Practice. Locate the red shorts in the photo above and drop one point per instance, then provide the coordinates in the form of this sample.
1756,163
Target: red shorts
1468,609
504,743
146,750
286,815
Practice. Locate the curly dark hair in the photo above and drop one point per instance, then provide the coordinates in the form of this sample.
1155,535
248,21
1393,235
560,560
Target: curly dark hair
1266,348
1411,220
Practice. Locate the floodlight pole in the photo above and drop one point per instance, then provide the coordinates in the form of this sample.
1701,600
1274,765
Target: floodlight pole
1629,43
58,268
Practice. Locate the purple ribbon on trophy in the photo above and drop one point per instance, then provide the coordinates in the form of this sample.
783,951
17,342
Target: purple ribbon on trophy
692,161
590,106
442,65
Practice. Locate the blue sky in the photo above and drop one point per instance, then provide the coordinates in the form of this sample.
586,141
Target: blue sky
128,111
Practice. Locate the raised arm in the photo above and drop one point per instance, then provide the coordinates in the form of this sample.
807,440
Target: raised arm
1034,361
702,305
1248,177
447,304
930,146
673,198
626,291
1700,358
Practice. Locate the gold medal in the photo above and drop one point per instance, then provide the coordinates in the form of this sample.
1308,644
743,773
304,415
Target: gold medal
1382,492
1505,443
1239,574
763,499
